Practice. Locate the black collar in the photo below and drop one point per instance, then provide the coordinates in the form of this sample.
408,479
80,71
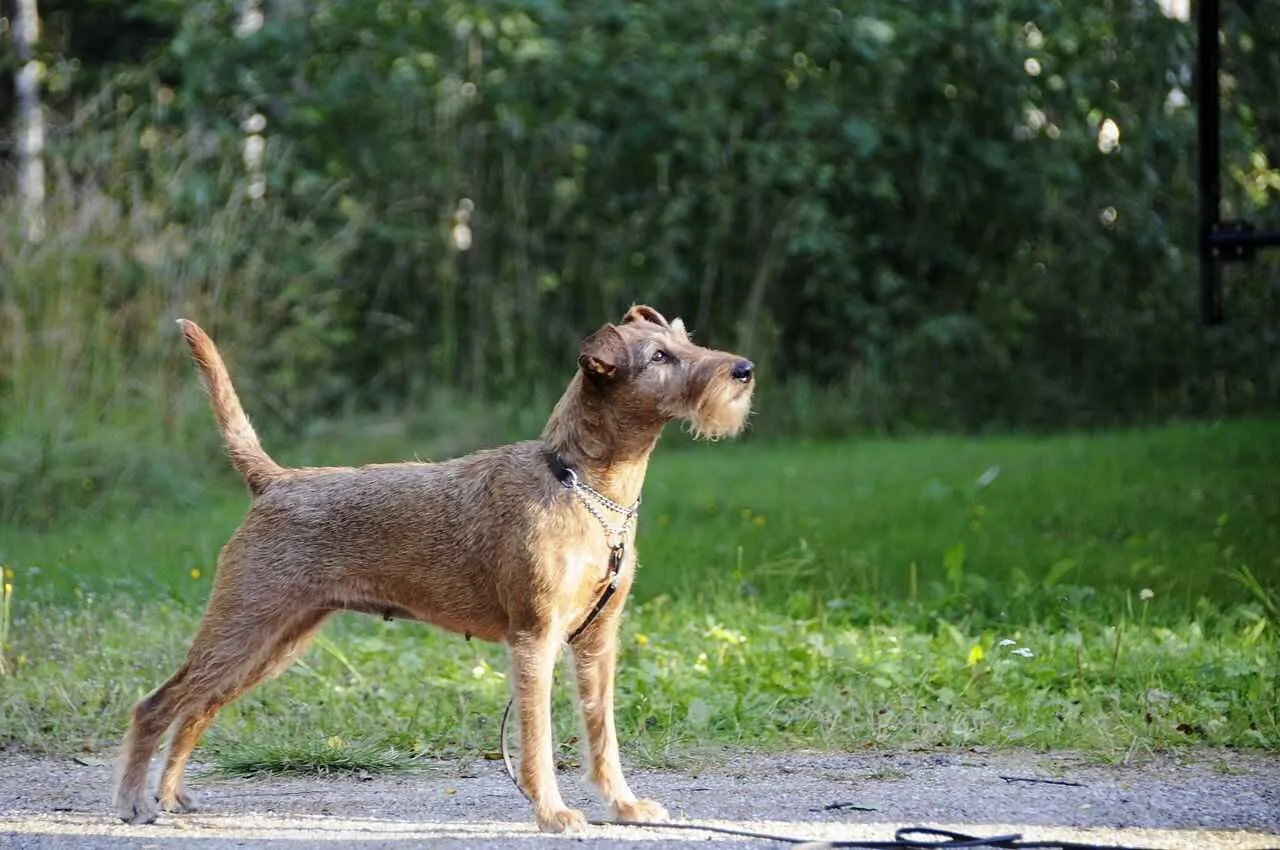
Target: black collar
562,471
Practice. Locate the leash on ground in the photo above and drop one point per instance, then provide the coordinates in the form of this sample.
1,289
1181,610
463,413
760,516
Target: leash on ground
906,838
902,839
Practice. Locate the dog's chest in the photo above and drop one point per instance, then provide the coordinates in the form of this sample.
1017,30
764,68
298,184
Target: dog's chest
585,573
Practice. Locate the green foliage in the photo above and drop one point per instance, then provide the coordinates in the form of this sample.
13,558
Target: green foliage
903,215
866,197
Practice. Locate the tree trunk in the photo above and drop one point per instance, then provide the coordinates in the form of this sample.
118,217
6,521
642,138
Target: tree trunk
30,120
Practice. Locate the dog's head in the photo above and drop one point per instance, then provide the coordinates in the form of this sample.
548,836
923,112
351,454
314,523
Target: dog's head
648,366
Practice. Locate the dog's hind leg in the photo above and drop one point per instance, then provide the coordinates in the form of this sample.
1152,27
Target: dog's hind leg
173,796
152,715
239,641
292,640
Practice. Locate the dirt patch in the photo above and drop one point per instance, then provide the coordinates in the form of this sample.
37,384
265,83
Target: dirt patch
1206,799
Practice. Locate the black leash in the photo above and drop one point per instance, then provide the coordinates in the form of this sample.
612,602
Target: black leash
902,838
616,553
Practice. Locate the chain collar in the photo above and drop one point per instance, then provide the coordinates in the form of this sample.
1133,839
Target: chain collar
596,502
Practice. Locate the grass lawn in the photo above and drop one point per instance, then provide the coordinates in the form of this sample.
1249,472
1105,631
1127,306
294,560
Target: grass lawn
1105,592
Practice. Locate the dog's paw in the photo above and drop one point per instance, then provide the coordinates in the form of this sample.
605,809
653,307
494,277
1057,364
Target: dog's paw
137,808
179,802
641,811
563,820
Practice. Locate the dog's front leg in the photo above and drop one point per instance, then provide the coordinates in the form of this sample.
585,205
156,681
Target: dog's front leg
533,659
595,659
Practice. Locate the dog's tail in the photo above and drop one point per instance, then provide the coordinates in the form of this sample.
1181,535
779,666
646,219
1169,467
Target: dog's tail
246,452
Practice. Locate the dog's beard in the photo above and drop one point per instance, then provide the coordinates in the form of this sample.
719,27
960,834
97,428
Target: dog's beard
722,410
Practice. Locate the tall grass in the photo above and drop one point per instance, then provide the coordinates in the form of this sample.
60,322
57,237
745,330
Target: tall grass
96,398
82,354
148,220
99,408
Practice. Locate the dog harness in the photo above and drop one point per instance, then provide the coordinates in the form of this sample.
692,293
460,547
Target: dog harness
615,535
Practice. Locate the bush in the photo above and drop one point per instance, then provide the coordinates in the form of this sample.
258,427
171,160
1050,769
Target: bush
906,217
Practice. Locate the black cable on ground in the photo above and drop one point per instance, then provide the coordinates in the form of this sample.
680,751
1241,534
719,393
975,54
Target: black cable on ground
903,839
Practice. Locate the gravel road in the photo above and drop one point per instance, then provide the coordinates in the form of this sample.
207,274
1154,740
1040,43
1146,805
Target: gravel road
1201,799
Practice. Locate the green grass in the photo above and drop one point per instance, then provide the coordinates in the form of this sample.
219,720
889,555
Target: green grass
739,676
828,595
1101,516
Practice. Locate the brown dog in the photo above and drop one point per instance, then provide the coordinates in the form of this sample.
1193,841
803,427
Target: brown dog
513,544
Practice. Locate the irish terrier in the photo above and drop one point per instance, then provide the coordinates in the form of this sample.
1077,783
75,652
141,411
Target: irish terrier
515,544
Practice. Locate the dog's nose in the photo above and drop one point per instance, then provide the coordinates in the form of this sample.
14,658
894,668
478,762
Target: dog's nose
742,370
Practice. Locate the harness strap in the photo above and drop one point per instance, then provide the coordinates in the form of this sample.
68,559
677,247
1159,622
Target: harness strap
615,568
616,535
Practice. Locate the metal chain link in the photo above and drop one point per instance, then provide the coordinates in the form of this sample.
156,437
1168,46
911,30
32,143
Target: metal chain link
614,534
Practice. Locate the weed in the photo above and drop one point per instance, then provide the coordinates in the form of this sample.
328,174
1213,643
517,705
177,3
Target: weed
6,615
1265,610
316,757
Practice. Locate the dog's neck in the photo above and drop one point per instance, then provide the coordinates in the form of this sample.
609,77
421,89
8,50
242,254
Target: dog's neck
584,431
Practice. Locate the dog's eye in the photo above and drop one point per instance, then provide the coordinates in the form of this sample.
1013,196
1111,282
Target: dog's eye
660,356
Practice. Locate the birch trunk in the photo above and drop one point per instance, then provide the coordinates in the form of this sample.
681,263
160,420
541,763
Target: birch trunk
30,120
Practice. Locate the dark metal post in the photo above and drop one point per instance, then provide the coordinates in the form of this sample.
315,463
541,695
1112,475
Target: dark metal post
1208,113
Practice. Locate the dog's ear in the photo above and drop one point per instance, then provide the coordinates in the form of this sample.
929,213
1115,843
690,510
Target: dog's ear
644,313
604,353
677,325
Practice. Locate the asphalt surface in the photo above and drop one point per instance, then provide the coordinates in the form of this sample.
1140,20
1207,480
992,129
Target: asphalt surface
1202,799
